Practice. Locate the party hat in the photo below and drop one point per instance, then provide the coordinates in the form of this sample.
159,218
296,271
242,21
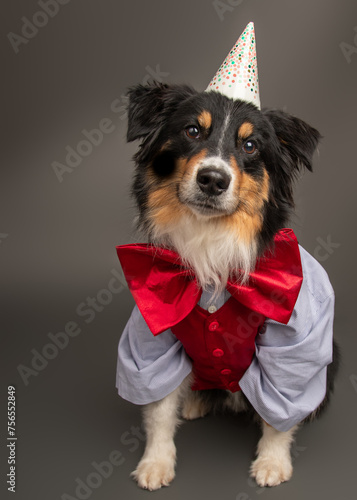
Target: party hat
237,76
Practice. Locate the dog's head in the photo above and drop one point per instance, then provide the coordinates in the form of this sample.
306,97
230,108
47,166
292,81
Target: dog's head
210,167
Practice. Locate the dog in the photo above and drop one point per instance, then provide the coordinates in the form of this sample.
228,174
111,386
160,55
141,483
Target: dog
214,187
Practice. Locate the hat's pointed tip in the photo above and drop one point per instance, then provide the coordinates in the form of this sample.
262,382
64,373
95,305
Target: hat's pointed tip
237,77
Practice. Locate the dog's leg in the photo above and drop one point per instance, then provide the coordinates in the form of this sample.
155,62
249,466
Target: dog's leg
273,464
194,406
157,466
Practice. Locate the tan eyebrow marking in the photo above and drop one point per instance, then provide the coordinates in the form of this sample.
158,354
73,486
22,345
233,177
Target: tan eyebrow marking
205,119
245,130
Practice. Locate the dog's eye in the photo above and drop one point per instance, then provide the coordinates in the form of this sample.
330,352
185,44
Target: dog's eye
192,132
249,147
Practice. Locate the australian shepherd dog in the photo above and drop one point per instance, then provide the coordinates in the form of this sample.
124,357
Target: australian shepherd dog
214,182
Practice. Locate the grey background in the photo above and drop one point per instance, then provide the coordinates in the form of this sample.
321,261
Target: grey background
57,239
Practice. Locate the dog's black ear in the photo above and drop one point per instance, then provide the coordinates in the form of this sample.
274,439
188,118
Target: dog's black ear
150,105
298,140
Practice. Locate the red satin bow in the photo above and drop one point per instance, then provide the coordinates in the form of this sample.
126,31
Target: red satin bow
166,292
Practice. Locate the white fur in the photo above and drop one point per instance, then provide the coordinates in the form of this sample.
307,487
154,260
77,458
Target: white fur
205,245
273,464
194,406
223,133
218,163
189,191
157,466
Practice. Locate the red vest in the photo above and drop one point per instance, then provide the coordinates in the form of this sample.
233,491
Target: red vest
220,344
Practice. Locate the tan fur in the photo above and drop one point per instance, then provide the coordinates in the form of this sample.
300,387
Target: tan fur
187,167
245,226
245,130
165,146
165,208
247,221
205,119
212,247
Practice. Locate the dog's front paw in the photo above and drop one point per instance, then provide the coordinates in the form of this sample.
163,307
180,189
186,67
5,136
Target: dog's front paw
151,474
271,471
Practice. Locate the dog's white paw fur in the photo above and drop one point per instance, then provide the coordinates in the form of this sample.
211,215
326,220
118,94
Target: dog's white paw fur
271,471
273,464
157,466
153,473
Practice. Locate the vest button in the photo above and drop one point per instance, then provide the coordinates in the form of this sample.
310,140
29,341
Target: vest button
213,326
233,386
226,371
217,353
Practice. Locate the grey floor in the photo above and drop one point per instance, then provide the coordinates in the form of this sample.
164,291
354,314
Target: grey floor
57,239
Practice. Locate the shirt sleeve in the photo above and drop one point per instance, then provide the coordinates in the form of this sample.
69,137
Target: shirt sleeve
149,367
287,378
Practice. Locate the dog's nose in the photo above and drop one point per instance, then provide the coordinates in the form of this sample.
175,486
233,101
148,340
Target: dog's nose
212,181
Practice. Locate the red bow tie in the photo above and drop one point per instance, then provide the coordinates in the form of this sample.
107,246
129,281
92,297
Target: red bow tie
166,292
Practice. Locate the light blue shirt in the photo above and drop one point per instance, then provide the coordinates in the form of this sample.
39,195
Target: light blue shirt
286,380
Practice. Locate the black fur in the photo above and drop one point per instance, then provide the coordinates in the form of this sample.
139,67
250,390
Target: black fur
159,113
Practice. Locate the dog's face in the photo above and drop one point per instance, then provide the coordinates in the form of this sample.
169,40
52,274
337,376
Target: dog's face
210,167
210,162
206,155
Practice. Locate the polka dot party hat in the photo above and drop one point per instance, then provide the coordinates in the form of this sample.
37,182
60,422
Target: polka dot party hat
237,76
